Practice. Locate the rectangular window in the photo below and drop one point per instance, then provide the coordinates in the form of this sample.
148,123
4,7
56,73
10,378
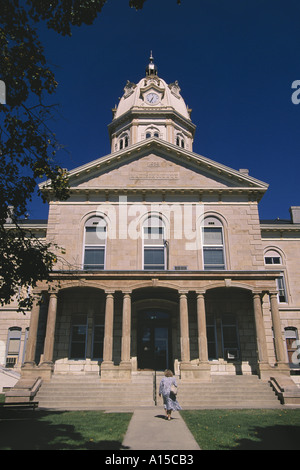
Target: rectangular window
13,346
230,337
154,248
98,337
94,252
282,297
94,257
154,258
213,249
272,260
211,332
78,337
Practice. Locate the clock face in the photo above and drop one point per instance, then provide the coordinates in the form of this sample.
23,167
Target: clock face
152,98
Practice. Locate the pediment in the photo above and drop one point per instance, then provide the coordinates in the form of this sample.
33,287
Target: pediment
151,170
157,164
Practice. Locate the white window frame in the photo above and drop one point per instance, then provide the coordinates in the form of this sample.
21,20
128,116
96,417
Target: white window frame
272,255
151,131
12,336
208,223
149,246
89,223
123,141
180,141
282,289
291,332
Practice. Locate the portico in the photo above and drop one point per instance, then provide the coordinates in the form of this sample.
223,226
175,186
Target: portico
197,324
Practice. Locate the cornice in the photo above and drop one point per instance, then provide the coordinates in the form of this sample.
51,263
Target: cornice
280,228
163,112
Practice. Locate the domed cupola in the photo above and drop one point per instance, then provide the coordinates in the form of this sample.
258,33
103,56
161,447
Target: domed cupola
151,108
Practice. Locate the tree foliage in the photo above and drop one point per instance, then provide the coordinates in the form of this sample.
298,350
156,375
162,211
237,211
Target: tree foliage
28,147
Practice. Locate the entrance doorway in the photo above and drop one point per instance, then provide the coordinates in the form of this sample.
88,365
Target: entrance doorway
154,340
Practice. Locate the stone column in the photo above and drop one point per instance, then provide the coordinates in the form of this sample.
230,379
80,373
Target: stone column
108,328
184,327
279,345
32,335
260,330
50,329
126,328
202,333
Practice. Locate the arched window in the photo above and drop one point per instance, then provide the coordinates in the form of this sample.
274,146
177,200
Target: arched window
213,244
152,132
272,257
13,346
123,141
180,140
154,244
94,244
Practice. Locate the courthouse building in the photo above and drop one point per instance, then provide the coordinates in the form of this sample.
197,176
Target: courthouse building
165,261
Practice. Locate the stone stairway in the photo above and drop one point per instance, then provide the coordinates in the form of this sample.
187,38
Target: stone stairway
90,393
234,391
84,392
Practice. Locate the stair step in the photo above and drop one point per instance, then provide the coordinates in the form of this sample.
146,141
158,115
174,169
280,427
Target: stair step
88,392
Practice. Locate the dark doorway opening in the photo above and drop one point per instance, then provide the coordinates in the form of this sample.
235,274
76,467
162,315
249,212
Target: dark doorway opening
154,340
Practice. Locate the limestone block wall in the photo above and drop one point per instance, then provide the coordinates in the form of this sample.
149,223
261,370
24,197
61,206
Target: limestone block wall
182,220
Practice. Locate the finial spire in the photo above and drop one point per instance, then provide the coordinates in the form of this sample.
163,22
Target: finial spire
151,68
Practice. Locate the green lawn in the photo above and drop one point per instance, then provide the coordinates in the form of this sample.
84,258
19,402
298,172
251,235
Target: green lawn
96,430
245,429
39,430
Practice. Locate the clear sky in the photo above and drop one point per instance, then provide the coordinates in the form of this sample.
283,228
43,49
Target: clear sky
235,61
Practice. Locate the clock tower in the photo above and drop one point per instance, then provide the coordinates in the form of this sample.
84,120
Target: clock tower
151,109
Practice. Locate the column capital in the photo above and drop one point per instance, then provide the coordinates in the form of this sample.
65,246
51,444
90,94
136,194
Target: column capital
53,294
183,292
110,292
53,290
256,294
200,292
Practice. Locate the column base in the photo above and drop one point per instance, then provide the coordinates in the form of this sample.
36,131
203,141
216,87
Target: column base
195,372
282,368
264,370
30,371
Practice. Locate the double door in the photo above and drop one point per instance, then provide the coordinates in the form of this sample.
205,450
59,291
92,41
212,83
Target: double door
154,340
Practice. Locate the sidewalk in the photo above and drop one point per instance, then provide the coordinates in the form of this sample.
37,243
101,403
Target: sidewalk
149,430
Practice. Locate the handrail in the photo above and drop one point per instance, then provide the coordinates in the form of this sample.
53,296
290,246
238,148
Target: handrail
154,388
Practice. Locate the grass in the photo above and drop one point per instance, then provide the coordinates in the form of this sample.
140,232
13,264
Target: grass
70,430
245,429
97,430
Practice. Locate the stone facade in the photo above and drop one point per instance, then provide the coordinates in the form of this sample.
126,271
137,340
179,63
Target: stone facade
165,261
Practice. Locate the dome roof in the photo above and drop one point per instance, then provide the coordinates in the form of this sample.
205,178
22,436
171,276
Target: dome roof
167,97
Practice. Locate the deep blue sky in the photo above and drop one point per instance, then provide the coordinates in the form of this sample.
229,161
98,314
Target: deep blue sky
235,61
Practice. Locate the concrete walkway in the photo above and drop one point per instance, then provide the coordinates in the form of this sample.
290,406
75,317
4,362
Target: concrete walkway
149,430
